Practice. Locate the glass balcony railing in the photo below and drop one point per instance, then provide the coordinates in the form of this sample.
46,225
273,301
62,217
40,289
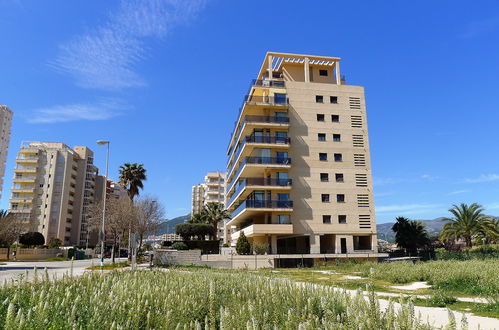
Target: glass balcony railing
248,182
268,83
261,139
269,100
256,204
259,160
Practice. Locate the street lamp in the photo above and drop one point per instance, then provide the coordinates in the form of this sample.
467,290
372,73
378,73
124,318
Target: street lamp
102,235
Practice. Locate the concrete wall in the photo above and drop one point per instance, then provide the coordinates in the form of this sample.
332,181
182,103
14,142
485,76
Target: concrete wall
31,254
177,257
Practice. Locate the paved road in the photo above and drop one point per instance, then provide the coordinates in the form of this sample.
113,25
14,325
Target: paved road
15,270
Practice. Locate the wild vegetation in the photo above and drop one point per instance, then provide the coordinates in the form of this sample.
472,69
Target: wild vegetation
192,300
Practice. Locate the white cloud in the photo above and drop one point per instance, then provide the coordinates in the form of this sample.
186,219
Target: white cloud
64,113
106,57
407,208
457,192
483,178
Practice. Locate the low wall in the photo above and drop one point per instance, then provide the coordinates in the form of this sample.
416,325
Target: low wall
30,254
177,257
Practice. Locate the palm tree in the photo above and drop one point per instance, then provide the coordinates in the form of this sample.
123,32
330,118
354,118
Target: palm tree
214,213
199,217
410,234
466,222
489,232
132,177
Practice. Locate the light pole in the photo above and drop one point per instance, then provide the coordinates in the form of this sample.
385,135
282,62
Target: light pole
102,235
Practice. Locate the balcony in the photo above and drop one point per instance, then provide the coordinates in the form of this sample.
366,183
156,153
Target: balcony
24,199
266,119
269,161
268,83
22,190
25,169
265,140
263,205
266,100
264,229
27,159
29,179
259,182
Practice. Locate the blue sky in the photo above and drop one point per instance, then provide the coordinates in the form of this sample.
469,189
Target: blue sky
163,79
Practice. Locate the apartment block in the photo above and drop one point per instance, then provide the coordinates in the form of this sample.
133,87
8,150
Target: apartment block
53,187
197,198
298,170
5,125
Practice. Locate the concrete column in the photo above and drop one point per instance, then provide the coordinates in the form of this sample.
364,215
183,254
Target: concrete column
306,67
338,75
315,244
374,243
337,243
273,244
269,69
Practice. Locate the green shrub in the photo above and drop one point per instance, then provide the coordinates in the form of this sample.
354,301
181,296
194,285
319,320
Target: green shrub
440,299
243,245
260,248
180,246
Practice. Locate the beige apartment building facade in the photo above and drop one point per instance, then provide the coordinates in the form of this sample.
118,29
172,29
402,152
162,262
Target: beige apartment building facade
298,171
53,186
5,130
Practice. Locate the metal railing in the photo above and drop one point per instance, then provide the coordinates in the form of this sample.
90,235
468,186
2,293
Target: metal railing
268,83
267,139
270,100
263,204
266,119
248,182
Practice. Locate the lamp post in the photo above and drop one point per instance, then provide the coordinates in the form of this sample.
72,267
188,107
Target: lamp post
102,235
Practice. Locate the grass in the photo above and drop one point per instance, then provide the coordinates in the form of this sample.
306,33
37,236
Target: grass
199,299
58,259
111,266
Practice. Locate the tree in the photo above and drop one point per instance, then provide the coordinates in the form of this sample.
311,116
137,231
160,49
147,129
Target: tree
189,230
214,213
55,243
410,234
466,222
199,217
180,246
120,214
489,232
149,215
11,227
243,246
132,177
32,239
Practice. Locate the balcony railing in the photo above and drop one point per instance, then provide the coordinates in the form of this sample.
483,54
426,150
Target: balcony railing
248,182
270,100
257,204
267,139
268,83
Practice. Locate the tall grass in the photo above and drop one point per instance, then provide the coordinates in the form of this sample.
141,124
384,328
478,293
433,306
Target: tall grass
474,277
191,300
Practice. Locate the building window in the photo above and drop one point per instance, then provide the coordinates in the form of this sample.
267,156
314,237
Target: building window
339,177
323,73
335,118
337,137
338,157
340,198
283,219
323,156
324,177
326,219
333,99
342,219
320,117
325,198
321,136
319,99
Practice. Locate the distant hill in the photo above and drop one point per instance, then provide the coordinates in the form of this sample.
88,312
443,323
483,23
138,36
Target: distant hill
168,226
432,226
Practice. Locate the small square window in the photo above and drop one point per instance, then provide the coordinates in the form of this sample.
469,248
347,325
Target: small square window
320,117
339,177
333,99
323,73
324,177
340,198
322,156
342,219
321,136
325,198
338,157
335,118
326,219
319,99
336,137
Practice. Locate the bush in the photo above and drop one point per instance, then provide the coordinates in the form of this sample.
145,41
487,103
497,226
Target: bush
32,239
55,243
440,299
260,248
189,230
180,246
490,251
243,246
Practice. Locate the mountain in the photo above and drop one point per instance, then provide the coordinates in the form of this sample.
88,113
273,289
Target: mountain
168,226
432,226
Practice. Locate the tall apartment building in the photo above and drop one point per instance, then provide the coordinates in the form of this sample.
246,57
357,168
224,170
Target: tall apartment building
5,124
53,186
212,190
298,170
197,198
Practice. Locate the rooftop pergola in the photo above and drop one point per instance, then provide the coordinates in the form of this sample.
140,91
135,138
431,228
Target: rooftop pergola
274,61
